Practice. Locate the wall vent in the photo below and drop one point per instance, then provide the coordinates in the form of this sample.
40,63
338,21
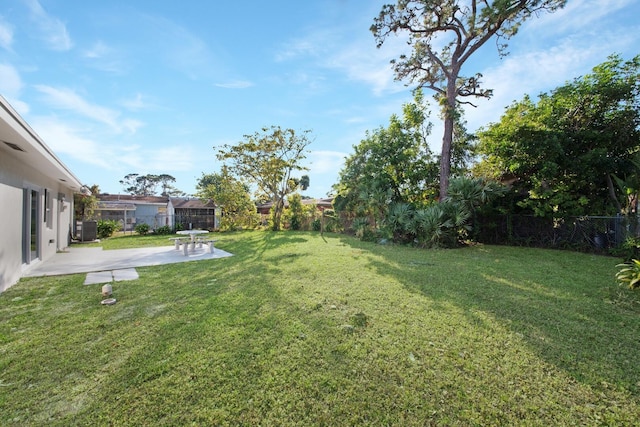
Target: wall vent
14,146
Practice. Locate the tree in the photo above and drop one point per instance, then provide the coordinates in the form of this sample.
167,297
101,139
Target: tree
304,182
139,185
563,151
391,165
268,159
461,28
146,185
86,204
166,184
232,195
296,212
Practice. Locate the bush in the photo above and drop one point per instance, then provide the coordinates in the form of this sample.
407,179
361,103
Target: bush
142,229
364,231
106,228
165,229
630,249
629,274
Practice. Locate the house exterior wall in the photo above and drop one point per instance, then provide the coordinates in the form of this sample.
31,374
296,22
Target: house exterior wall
154,215
16,180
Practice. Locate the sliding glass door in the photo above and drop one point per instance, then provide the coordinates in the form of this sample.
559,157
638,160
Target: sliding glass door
31,226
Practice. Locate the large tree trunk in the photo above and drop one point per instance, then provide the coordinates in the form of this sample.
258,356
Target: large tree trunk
278,208
612,194
447,138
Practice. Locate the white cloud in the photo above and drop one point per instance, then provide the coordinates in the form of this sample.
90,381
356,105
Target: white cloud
131,125
578,16
104,58
67,99
88,146
68,140
322,161
10,81
355,56
156,159
6,34
98,50
138,103
324,166
11,87
174,158
235,84
53,30
313,44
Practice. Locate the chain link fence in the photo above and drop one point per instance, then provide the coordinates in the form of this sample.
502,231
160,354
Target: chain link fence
587,233
175,222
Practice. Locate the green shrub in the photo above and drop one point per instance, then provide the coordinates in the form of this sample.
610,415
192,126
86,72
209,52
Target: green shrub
106,228
630,249
316,225
165,229
629,274
142,229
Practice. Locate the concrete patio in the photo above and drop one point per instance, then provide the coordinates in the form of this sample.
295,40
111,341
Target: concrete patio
86,260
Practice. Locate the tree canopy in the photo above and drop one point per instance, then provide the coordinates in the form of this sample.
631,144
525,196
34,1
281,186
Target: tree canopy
232,195
390,165
86,204
565,152
268,159
443,35
147,185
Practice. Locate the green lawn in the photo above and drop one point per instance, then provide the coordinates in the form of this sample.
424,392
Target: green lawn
297,329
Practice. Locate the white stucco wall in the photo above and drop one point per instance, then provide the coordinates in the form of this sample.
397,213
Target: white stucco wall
14,178
10,224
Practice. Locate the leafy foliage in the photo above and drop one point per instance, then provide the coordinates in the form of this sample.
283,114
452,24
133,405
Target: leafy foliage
298,215
391,165
629,274
562,152
106,228
268,159
142,229
147,185
85,204
232,195
443,36
165,229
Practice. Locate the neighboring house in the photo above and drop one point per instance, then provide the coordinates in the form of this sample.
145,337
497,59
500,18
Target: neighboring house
133,210
36,190
191,213
157,211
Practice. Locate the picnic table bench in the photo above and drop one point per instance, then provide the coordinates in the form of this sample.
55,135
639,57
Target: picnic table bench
210,243
178,241
199,241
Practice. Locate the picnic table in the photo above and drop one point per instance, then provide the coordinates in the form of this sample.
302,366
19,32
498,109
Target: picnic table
192,235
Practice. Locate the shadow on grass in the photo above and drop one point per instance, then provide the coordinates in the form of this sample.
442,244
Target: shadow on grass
565,305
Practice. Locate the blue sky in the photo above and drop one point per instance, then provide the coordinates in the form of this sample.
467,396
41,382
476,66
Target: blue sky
152,86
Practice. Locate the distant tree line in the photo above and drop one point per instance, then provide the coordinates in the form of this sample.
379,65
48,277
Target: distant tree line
150,185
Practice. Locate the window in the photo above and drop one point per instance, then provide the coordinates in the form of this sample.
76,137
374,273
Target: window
48,213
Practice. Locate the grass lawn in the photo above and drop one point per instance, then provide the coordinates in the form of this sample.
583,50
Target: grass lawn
297,329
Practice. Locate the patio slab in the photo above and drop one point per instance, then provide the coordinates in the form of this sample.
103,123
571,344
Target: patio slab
111,276
98,277
88,260
125,274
